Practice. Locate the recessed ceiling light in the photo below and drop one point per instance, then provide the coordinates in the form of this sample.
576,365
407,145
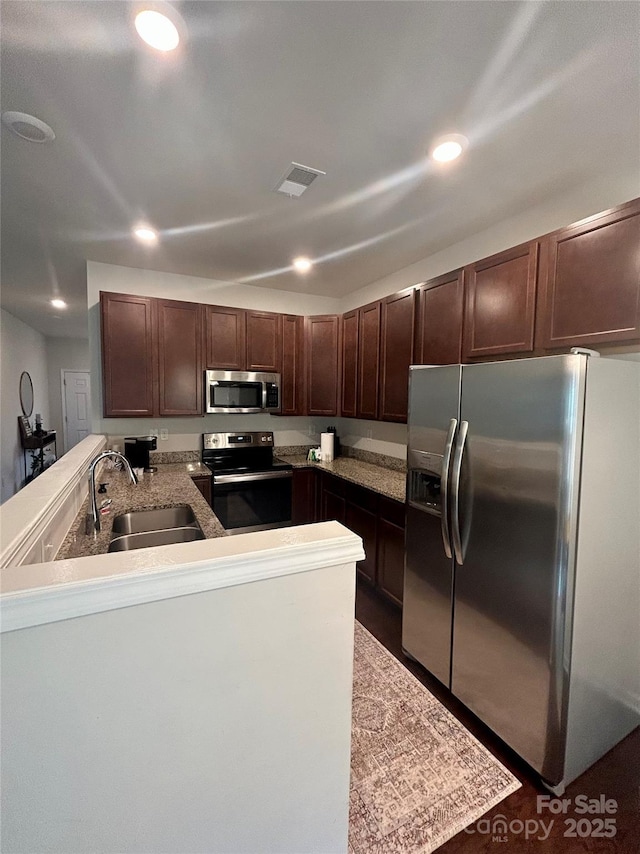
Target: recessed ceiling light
302,265
27,127
157,30
146,234
449,148
58,303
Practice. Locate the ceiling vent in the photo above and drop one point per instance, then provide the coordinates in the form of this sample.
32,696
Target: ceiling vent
27,127
297,179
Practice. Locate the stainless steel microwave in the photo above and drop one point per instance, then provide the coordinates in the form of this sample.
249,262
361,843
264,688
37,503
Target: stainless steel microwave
241,391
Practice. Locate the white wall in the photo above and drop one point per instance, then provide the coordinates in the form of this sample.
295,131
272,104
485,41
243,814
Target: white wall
604,192
21,349
63,353
185,433
381,437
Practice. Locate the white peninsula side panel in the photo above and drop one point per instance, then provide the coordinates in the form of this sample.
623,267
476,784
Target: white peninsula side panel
217,721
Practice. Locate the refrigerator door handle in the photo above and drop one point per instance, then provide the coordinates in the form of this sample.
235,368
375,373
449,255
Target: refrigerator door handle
446,464
455,492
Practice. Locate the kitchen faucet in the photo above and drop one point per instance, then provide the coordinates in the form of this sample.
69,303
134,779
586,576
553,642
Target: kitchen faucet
95,516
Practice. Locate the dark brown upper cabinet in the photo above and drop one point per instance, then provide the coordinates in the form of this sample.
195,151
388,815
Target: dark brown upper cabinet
368,360
439,323
129,374
350,325
292,383
264,341
396,354
590,281
151,356
179,357
225,337
500,303
322,346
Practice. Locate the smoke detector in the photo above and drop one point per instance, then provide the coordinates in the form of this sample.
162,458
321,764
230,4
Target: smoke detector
28,127
297,179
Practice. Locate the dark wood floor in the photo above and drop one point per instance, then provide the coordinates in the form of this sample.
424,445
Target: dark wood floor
616,775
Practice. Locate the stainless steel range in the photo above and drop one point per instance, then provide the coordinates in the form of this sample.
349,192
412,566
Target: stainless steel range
251,490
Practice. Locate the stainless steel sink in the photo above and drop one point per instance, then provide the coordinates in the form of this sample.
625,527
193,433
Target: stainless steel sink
148,539
142,529
141,521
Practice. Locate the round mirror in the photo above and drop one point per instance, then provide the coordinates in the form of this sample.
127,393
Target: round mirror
26,394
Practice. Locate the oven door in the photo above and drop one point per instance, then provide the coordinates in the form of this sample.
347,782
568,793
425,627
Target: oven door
252,501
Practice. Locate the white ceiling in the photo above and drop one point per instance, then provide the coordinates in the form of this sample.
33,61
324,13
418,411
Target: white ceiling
194,142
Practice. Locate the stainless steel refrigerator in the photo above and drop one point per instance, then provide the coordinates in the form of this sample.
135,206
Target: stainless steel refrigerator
522,568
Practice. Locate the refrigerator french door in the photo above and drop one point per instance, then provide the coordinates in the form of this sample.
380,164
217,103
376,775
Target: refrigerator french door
493,476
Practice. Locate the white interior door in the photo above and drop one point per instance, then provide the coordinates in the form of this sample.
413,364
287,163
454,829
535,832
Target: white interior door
76,406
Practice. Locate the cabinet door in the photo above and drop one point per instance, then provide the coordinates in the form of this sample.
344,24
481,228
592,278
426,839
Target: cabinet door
350,363
322,343
264,341
391,549
225,334
180,371
303,496
129,380
333,504
398,314
439,325
590,282
368,360
500,303
362,519
292,383
204,485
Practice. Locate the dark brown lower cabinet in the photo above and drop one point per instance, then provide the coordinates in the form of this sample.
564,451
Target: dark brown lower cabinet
204,485
380,523
362,519
333,504
304,497
391,549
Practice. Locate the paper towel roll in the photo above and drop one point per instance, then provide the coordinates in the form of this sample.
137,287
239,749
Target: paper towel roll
326,447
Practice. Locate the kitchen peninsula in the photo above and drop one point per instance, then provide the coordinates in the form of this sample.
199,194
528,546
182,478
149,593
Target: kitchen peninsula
183,672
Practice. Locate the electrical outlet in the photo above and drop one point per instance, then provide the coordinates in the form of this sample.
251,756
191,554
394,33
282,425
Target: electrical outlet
369,433
164,433
311,430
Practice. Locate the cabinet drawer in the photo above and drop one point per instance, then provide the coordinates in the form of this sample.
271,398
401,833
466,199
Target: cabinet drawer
392,511
360,496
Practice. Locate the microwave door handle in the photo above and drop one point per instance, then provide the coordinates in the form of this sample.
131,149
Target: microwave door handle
263,386
444,503
455,492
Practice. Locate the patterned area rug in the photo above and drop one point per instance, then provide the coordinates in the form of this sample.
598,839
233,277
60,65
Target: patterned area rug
418,776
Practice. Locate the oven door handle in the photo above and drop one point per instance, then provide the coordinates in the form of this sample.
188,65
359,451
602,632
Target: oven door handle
249,477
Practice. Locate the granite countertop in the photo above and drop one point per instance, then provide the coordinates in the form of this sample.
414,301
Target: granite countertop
388,482
171,485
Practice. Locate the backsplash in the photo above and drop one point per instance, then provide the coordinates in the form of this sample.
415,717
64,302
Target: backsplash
157,458
394,463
